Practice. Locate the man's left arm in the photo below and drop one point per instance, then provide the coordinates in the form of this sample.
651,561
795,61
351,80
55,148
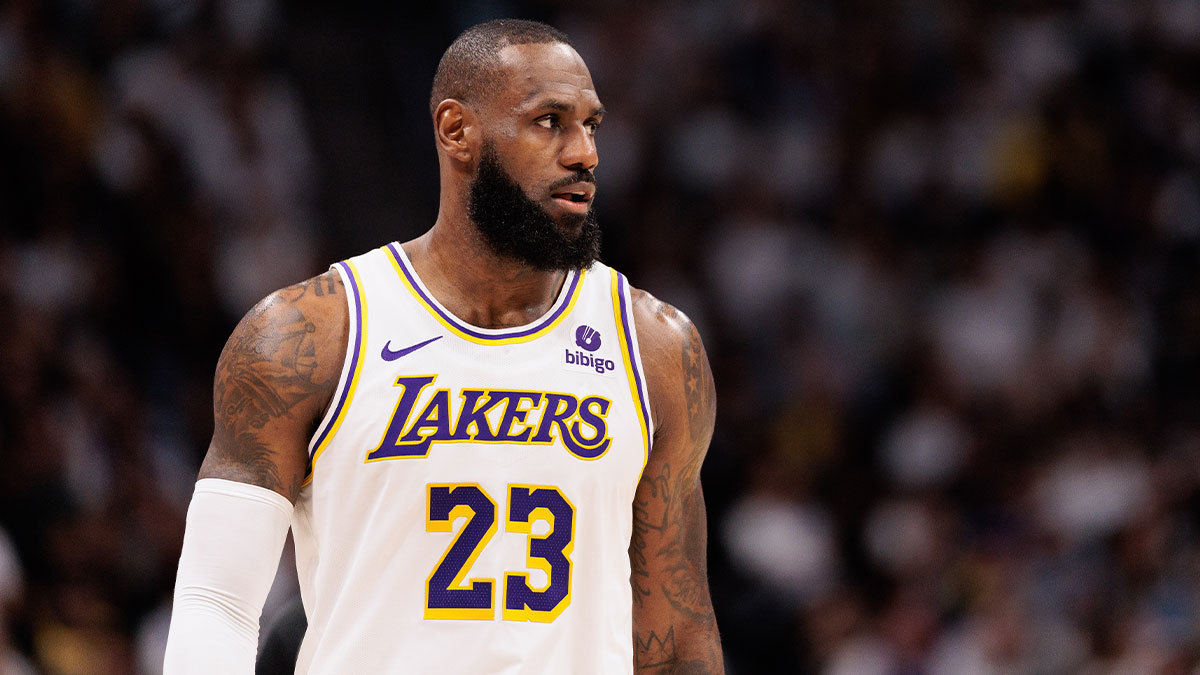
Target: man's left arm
674,628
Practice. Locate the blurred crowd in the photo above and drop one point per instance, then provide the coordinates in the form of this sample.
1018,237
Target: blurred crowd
945,256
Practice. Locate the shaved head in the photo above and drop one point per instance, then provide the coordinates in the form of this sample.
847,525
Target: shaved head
470,69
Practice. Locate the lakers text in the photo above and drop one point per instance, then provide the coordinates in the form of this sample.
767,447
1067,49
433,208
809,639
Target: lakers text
492,416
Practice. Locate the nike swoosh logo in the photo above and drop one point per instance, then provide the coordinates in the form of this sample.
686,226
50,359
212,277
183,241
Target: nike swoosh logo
389,354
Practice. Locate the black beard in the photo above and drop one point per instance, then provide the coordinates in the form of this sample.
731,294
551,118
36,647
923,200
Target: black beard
516,227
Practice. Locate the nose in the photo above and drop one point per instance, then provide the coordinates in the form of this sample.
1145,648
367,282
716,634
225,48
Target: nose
580,150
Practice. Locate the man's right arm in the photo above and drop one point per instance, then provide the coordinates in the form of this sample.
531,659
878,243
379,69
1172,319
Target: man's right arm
275,378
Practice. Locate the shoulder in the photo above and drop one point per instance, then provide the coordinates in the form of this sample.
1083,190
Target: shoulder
322,293
311,314
662,329
286,353
275,378
321,299
677,370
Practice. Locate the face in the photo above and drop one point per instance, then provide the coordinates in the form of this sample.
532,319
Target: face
532,194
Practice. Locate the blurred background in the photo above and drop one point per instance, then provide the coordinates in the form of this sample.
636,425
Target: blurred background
945,257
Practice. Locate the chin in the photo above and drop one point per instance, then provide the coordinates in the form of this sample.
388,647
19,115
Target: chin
572,223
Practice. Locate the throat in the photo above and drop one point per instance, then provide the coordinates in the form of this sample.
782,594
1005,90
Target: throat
492,306
479,288
497,325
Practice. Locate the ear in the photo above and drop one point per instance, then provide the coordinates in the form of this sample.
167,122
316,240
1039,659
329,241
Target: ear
456,127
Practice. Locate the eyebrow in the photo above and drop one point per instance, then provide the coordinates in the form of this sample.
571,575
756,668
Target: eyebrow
560,106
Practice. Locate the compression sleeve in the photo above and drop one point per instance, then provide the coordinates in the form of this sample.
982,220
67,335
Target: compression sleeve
235,533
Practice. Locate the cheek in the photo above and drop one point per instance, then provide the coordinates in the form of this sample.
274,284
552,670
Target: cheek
532,178
528,160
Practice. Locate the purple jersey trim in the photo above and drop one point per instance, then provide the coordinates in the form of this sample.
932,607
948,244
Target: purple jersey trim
358,316
564,301
627,330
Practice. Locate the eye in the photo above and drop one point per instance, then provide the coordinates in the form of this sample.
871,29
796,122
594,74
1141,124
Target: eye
547,122
593,127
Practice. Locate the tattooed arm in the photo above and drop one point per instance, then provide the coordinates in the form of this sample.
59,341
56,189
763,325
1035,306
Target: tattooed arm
274,380
674,629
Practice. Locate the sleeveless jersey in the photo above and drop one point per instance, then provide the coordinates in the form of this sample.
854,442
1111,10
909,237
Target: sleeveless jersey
469,506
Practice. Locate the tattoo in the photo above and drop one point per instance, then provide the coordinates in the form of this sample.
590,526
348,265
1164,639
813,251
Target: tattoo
678,572
658,655
698,388
675,628
686,582
649,518
329,283
267,372
655,651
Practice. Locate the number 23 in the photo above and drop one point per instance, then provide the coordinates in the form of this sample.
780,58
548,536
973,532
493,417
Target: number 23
446,594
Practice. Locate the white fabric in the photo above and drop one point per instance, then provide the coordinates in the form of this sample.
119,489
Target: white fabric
366,545
231,548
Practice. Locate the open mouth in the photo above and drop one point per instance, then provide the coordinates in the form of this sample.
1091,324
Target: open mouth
574,202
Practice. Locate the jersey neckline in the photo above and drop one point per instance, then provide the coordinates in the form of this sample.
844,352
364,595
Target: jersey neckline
562,306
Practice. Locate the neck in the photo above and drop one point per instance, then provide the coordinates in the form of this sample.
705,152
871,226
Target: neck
476,285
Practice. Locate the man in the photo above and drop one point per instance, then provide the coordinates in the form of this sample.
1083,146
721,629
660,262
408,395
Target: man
487,444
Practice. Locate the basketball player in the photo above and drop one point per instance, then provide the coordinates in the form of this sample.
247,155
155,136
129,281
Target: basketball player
486,443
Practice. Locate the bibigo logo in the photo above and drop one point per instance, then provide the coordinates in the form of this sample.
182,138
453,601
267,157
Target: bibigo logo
588,338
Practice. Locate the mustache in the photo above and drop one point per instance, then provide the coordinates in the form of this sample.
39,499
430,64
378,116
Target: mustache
581,176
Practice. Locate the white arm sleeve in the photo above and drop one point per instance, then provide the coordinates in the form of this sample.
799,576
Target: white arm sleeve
235,533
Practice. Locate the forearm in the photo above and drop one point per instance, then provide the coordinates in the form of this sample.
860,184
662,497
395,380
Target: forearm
231,548
677,654
678,645
675,629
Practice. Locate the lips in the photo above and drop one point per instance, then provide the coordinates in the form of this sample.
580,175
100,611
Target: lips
576,193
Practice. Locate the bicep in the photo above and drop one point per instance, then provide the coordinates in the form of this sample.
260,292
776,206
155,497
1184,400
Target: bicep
275,377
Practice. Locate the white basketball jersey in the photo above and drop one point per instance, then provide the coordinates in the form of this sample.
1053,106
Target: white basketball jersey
469,508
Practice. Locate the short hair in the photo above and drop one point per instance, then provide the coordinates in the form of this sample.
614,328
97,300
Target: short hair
470,69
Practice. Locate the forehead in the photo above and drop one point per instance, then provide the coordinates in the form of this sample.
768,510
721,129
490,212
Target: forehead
552,71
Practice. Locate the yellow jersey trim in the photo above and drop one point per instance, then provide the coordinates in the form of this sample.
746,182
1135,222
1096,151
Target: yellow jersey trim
562,307
356,368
